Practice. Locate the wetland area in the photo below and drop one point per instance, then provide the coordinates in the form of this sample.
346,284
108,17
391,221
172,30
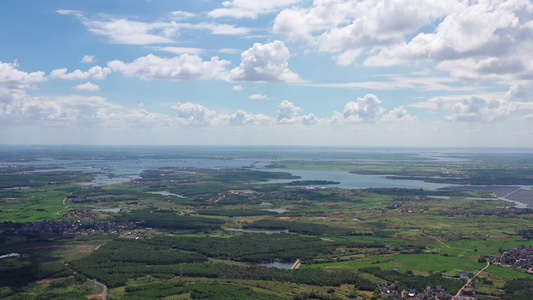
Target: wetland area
188,221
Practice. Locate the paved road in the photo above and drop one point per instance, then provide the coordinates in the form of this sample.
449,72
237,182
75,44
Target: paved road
104,289
470,280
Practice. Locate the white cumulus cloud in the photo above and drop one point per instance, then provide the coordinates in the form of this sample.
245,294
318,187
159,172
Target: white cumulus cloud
398,115
266,63
288,114
182,68
364,110
349,26
310,119
74,112
242,118
287,111
483,39
520,92
11,77
64,110
481,108
194,114
95,72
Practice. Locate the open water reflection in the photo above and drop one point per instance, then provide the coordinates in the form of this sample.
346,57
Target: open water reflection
278,265
124,170
357,181
256,230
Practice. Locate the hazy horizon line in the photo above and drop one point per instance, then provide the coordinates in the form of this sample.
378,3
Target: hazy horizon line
261,146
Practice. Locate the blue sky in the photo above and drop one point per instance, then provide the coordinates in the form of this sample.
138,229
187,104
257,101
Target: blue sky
444,73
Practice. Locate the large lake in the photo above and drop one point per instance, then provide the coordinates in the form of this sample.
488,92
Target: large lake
117,171
356,181
110,171
123,170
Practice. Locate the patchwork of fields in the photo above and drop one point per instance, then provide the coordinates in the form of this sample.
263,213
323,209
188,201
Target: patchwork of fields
163,231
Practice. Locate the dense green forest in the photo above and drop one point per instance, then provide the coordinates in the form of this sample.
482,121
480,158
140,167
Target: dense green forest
300,227
170,220
120,260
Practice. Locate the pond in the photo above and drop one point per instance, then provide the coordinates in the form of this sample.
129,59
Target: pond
278,265
277,210
255,230
111,210
166,194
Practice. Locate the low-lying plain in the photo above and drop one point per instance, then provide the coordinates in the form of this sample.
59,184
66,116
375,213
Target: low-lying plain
220,224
